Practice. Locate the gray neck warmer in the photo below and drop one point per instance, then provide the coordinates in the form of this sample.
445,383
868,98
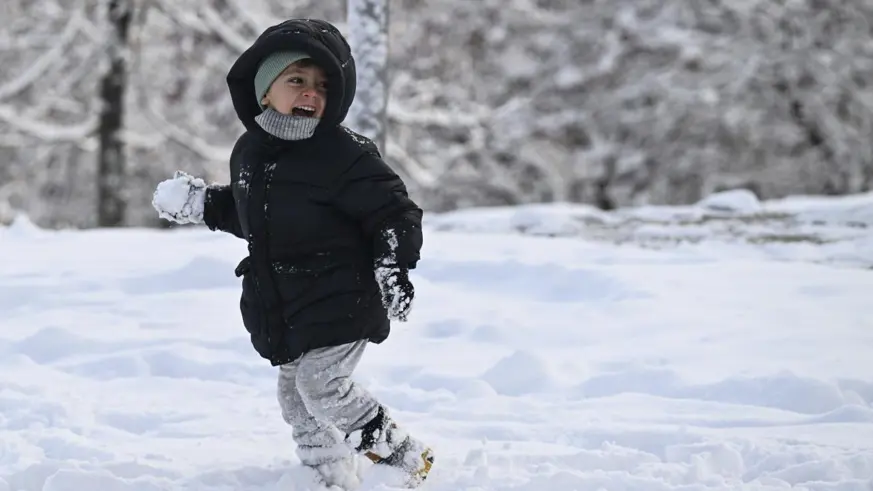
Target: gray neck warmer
286,126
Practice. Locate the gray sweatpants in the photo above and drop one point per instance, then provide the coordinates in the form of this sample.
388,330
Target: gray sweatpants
322,403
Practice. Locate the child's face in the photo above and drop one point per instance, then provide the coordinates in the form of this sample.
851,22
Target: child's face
300,90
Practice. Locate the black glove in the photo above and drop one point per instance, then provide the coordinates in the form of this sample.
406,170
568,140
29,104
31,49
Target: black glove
397,291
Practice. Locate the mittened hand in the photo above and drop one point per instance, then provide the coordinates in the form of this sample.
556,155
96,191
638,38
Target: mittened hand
180,199
397,291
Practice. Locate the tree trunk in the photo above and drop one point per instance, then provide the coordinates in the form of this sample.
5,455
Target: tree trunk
368,37
111,204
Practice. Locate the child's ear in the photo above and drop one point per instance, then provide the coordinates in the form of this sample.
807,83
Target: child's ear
265,101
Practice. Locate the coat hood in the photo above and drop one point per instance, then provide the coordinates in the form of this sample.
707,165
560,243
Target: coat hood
318,38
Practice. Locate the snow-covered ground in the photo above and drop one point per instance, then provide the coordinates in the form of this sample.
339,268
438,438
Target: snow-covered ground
611,358
832,230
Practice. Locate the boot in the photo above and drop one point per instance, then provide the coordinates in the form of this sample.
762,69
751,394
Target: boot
385,443
335,464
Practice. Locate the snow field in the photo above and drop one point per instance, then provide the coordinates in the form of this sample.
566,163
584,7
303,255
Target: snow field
529,363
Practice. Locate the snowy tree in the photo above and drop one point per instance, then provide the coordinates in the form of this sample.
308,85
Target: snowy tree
610,102
368,37
177,115
48,116
626,102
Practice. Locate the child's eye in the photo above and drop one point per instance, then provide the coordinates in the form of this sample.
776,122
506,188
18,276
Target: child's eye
295,80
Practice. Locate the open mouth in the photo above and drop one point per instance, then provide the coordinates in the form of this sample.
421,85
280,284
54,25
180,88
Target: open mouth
306,111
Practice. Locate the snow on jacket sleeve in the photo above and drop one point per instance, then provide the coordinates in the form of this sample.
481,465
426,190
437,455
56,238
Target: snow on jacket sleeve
219,207
372,193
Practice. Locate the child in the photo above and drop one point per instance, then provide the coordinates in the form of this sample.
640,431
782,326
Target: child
331,235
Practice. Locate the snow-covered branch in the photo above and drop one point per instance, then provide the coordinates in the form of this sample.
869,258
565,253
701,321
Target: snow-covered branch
184,18
48,132
185,138
255,19
473,116
219,27
59,47
414,170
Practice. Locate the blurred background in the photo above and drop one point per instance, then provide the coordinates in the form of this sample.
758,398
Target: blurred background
491,102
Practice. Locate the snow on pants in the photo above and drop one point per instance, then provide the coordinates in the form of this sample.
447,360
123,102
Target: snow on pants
322,403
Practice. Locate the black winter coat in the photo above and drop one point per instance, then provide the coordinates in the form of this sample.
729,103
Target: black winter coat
314,211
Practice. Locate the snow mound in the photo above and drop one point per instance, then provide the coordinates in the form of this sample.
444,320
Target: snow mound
518,374
733,201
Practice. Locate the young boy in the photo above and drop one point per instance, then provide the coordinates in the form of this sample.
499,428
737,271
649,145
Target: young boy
331,236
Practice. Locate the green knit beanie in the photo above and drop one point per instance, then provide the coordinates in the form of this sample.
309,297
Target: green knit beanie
271,67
